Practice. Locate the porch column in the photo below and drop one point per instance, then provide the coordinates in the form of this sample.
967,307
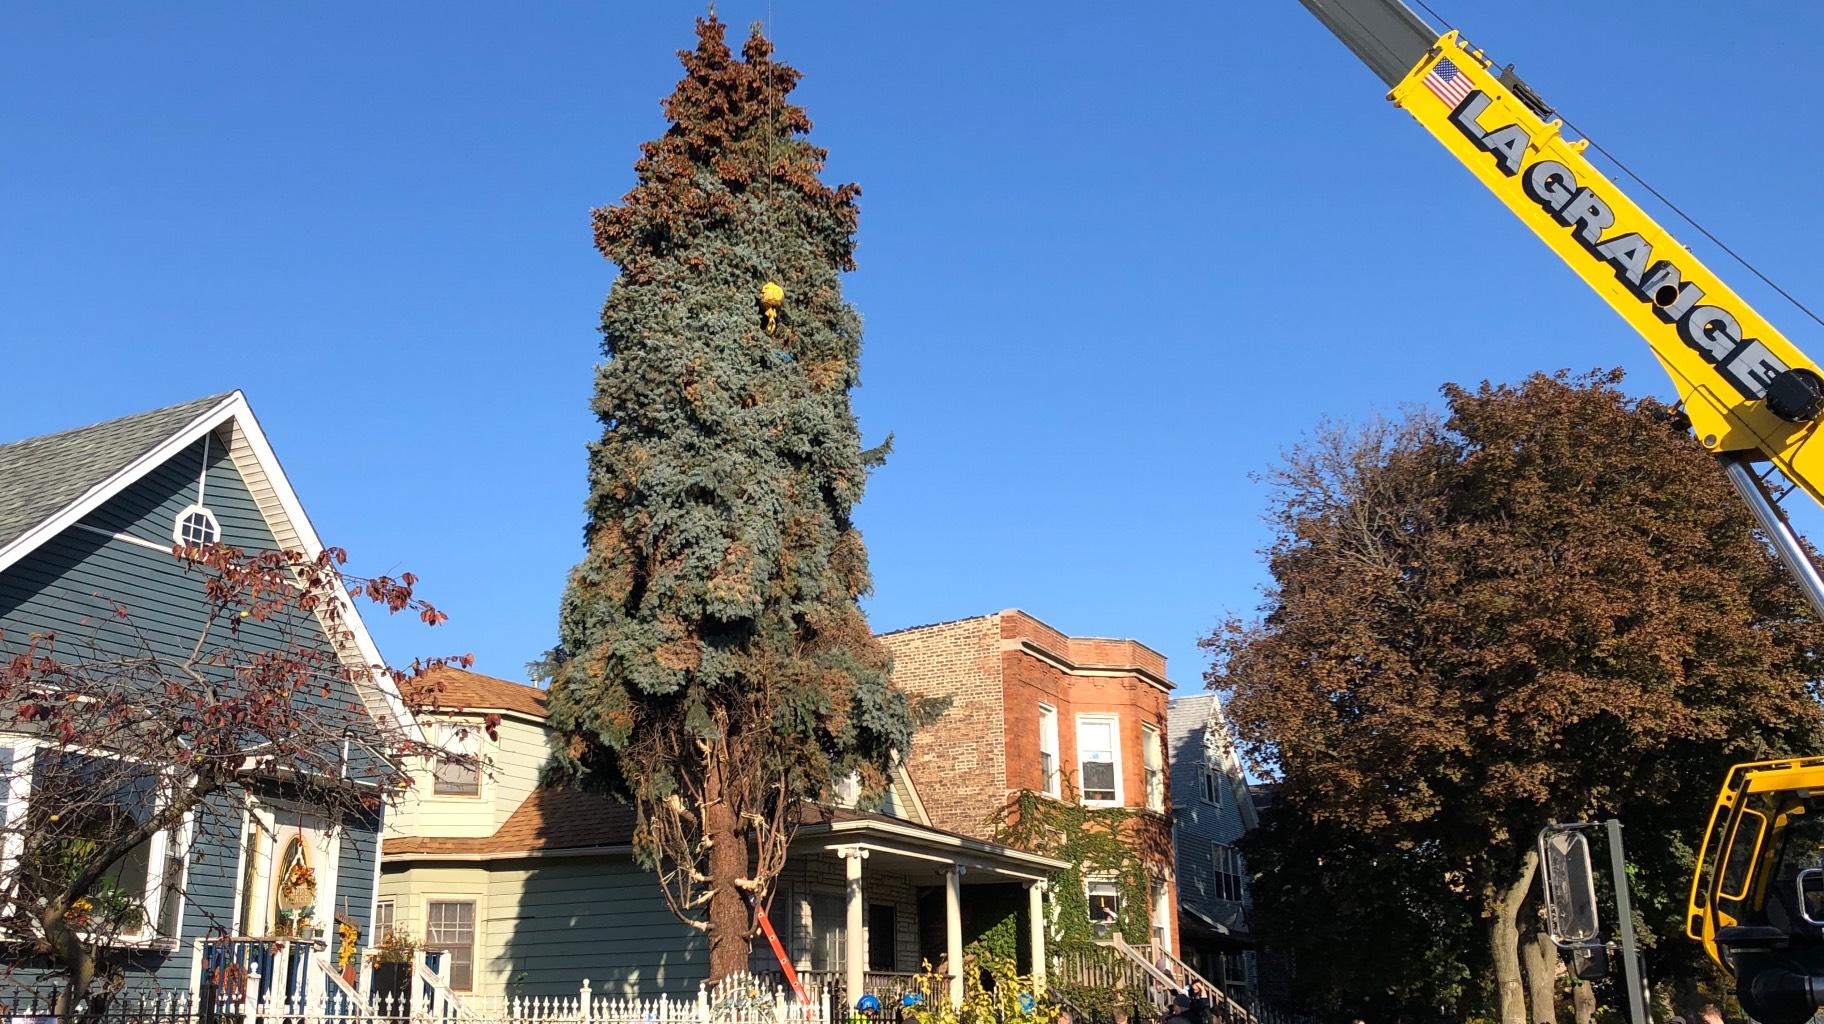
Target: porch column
1035,911
953,932
855,970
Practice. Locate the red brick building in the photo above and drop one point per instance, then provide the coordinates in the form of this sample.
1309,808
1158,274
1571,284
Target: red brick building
1034,709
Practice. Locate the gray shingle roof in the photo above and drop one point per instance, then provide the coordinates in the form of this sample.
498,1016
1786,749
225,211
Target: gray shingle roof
41,476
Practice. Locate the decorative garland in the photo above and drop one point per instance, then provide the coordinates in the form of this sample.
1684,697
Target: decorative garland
347,936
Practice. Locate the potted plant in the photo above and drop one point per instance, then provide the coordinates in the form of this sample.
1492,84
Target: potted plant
393,966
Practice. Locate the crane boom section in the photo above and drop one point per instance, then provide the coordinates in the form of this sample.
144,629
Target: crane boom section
1723,357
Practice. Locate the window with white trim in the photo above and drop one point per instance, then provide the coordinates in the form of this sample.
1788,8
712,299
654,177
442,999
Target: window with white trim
196,525
848,790
1099,758
457,778
1050,778
1162,915
829,932
75,803
1104,897
1229,872
1152,753
1212,779
383,921
449,926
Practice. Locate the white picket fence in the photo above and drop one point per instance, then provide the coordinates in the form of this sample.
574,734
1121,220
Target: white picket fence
738,1000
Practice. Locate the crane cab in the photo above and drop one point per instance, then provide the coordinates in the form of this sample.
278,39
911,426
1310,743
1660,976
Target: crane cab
1757,894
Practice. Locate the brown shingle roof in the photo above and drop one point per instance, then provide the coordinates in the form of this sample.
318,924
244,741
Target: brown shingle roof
549,819
457,690
562,819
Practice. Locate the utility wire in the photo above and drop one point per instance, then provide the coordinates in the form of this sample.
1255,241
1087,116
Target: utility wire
1688,219
1657,194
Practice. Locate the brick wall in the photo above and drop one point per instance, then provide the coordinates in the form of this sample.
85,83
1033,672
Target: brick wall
958,764
998,669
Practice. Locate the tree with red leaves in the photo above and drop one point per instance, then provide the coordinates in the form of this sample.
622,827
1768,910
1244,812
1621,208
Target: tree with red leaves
135,750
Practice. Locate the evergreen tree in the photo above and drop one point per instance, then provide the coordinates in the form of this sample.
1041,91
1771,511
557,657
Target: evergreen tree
715,669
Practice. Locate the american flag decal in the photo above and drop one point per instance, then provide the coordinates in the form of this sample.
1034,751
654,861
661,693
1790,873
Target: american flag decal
1447,82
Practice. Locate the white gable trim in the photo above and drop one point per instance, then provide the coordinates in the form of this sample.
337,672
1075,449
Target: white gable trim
95,496
254,459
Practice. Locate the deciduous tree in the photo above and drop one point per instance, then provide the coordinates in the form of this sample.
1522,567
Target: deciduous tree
715,668
134,748
1549,606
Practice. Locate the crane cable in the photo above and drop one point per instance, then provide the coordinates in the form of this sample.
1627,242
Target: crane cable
1657,194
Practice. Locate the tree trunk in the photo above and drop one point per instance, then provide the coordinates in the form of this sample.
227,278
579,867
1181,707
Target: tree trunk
1541,959
1583,1001
75,957
728,913
1504,941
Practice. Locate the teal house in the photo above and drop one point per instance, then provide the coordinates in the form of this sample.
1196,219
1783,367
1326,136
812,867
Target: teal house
89,518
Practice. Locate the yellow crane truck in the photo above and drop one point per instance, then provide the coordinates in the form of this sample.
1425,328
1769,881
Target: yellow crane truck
1754,401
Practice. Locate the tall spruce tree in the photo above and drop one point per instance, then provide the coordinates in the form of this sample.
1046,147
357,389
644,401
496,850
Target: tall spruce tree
715,669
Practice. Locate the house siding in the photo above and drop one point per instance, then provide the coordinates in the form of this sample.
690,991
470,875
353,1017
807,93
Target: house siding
545,924
71,586
512,766
1203,826
826,875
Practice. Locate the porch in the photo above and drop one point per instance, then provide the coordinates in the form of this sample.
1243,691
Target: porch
867,902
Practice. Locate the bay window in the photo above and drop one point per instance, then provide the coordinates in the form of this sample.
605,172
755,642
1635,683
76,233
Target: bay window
452,778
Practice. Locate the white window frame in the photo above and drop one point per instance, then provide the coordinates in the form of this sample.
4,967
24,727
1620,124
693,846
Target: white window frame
839,930
146,936
1093,882
1161,915
375,935
1113,721
475,936
1051,783
1210,792
467,745
848,790
1225,860
1152,760
177,524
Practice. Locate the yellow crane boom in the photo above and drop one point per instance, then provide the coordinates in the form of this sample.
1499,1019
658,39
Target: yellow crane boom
1757,892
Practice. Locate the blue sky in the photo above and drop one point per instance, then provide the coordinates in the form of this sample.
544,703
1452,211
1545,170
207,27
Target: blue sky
1113,259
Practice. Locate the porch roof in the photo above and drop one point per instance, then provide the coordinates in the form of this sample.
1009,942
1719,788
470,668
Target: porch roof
567,822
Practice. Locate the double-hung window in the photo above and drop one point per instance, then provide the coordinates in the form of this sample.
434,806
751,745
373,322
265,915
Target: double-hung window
449,926
1229,872
1211,784
1050,782
383,921
1099,758
457,777
829,932
1152,750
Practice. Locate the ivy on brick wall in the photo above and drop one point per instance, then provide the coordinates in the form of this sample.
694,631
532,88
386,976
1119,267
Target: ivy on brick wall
1106,844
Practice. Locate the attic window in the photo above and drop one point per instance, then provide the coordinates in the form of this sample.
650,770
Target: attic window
196,525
